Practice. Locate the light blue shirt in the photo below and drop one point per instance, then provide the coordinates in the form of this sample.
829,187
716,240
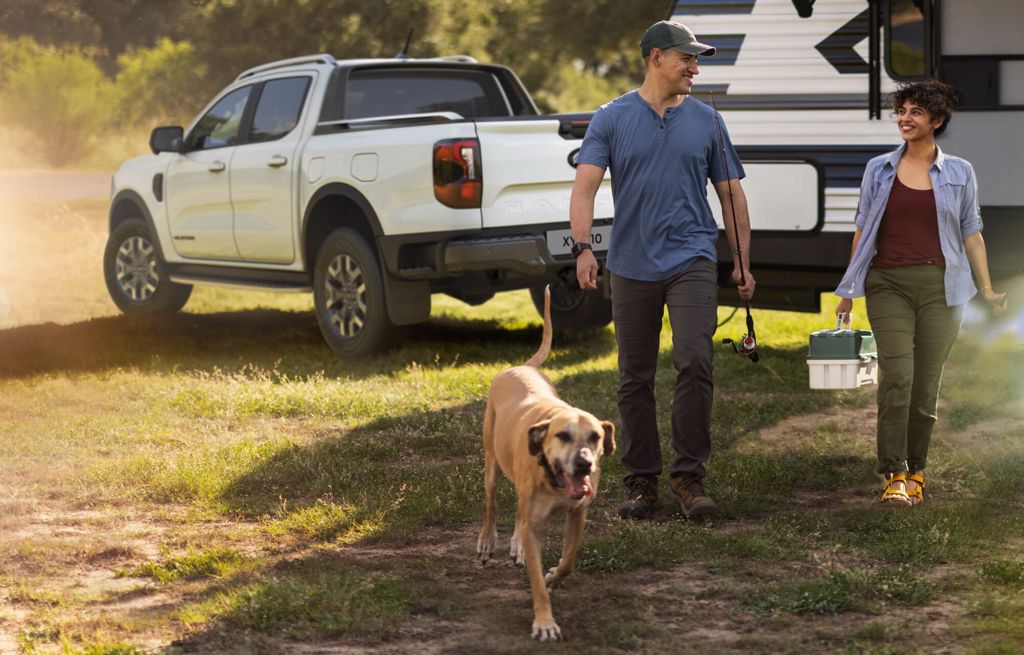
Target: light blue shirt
956,204
660,169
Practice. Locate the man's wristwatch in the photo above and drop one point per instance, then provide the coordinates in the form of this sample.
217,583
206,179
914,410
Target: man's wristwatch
578,248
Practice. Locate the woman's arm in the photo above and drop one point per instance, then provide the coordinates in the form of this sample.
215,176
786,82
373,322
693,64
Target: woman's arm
845,306
974,245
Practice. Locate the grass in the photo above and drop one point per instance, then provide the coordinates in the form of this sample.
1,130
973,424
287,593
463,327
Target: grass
214,563
313,602
247,483
847,590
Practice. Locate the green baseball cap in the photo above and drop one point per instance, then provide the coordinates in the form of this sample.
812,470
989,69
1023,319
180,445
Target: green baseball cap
670,35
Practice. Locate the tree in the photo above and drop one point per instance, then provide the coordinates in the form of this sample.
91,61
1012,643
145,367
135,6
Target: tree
62,100
106,27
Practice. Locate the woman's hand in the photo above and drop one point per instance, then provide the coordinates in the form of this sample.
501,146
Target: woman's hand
997,301
845,309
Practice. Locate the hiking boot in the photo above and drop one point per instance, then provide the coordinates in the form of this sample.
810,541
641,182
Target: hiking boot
641,499
691,497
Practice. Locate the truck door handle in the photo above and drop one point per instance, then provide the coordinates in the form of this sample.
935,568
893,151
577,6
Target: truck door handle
216,166
277,161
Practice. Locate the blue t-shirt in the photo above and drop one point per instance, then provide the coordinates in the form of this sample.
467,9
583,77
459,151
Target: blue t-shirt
660,169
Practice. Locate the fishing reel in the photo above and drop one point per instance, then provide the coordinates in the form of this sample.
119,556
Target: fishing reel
747,344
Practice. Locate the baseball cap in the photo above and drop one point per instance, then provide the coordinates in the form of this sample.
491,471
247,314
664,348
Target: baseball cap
670,35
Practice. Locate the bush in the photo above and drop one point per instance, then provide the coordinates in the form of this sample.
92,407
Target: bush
161,85
60,99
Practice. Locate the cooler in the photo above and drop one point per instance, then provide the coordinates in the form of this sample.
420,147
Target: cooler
842,359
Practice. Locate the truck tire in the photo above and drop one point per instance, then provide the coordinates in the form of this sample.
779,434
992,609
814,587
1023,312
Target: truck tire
572,308
137,278
348,295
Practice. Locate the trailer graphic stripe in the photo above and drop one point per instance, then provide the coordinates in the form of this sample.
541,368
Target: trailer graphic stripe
727,47
712,7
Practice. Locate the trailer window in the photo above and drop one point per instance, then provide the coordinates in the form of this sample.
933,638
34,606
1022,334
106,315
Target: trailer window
906,31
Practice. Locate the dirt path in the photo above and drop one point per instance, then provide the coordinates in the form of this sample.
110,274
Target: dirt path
53,186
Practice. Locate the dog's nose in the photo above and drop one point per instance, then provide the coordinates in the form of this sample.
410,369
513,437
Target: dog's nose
582,464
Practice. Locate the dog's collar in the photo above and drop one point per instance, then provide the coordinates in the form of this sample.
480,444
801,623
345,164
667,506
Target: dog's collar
543,461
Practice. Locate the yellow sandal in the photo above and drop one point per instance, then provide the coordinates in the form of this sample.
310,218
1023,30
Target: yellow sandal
916,495
893,494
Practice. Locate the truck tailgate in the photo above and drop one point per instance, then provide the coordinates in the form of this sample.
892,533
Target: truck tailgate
528,174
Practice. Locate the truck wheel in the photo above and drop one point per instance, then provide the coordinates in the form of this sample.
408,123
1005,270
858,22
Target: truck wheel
348,292
572,308
137,279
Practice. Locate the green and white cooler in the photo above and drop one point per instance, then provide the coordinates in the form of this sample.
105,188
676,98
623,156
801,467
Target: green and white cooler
842,358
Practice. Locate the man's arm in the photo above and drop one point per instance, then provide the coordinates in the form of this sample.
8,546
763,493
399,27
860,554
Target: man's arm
581,218
737,208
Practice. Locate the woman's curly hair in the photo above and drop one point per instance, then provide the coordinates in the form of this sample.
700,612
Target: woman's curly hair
937,98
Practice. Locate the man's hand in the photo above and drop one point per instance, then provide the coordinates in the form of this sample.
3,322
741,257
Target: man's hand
586,270
746,289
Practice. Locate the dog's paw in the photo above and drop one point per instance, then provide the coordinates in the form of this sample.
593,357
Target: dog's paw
552,579
485,546
546,630
515,551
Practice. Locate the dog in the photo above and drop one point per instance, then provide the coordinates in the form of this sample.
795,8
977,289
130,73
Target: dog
551,453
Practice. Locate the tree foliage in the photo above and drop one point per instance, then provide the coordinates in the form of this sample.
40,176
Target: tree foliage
157,85
163,59
61,99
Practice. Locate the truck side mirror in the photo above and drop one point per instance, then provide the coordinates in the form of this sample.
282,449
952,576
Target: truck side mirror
167,139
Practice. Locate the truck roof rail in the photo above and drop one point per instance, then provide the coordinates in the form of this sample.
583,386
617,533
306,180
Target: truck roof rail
294,61
466,59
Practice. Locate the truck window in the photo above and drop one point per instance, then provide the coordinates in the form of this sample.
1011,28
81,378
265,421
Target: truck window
219,126
906,40
395,92
278,108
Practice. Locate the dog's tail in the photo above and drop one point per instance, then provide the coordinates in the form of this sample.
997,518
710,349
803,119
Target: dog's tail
545,342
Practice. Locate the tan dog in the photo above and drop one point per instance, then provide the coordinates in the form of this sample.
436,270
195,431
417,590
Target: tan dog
551,452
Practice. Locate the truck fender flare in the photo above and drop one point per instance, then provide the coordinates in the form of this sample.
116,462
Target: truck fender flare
408,302
345,191
127,196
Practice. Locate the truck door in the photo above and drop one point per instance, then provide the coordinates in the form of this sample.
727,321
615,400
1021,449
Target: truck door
263,173
199,214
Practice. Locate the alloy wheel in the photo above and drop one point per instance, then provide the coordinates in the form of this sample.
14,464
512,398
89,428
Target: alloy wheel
136,269
346,296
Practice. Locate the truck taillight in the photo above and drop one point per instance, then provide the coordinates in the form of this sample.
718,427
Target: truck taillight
458,177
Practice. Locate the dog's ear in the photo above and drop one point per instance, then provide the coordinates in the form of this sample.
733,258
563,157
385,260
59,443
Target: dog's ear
608,446
537,434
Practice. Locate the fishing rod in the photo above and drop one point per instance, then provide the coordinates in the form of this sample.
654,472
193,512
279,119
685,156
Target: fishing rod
747,344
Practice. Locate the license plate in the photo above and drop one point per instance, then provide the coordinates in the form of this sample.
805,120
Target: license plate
560,241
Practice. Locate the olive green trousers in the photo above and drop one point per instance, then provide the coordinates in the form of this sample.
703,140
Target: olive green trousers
914,332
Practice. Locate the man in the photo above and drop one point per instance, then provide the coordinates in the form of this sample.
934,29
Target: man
661,147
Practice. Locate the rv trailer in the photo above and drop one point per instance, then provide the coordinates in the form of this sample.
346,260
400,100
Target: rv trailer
803,86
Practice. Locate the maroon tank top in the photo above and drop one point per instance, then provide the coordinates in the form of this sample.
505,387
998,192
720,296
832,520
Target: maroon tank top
909,231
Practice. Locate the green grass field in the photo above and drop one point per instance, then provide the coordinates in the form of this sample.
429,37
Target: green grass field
219,482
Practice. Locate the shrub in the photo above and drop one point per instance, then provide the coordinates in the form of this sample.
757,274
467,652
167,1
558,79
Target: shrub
60,99
161,85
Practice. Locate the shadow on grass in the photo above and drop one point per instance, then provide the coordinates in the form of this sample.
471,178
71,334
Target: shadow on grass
401,478
424,467
289,341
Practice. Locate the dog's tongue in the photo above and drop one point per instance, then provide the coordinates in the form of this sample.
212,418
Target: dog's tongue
577,486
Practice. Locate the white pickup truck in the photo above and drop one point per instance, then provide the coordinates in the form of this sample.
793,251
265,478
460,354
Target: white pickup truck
374,183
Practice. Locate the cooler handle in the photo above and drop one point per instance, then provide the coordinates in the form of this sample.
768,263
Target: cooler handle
840,319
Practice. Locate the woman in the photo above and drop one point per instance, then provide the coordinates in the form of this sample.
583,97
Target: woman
918,238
